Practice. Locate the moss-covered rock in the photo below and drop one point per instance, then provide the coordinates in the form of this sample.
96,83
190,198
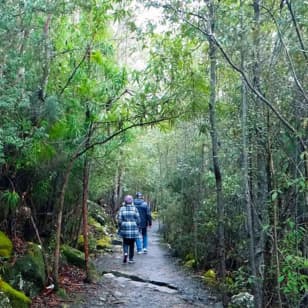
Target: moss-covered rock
77,258
28,273
36,253
6,246
103,243
98,213
99,218
73,256
31,266
17,298
92,222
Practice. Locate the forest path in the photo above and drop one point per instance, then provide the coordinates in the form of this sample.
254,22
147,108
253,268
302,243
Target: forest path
155,280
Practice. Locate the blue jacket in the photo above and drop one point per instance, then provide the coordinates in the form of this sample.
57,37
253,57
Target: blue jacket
128,220
144,213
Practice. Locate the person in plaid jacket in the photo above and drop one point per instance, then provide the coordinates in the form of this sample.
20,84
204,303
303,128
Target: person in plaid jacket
128,221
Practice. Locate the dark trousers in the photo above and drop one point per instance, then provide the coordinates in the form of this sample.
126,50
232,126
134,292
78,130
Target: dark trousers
128,247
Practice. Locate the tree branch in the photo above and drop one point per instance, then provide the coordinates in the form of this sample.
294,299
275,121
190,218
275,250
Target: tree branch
288,55
75,70
116,133
297,29
248,82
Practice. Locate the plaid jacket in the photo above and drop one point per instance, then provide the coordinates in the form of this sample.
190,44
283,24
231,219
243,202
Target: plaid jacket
128,220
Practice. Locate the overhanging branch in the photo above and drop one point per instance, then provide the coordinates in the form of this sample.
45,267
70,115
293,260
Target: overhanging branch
117,133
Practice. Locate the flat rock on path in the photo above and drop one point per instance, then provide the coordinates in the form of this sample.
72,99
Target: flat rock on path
155,280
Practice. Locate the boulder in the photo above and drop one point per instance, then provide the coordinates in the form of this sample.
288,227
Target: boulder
28,273
73,256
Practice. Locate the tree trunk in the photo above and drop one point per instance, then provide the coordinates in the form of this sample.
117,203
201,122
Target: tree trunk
46,50
59,223
247,192
117,191
214,139
275,215
245,166
260,214
86,172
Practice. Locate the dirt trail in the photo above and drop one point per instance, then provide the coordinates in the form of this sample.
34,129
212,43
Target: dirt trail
155,280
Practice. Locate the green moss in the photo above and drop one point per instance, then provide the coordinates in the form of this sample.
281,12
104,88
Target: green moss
103,243
96,224
6,246
17,298
190,263
92,243
35,251
73,256
99,218
28,271
189,256
210,277
154,215
80,240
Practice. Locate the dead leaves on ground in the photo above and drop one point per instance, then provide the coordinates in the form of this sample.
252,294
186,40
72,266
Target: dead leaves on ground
71,279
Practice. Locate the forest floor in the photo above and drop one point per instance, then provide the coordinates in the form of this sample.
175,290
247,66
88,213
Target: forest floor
155,279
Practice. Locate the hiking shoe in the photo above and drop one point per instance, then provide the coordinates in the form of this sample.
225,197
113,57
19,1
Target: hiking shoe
125,258
131,261
145,250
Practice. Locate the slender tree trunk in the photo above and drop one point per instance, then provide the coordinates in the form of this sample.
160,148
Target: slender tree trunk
86,173
46,65
59,223
247,192
117,191
245,166
275,215
85,229
260,215
214,139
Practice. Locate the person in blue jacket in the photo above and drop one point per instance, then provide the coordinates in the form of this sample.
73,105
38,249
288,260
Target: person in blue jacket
128,222
145,222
